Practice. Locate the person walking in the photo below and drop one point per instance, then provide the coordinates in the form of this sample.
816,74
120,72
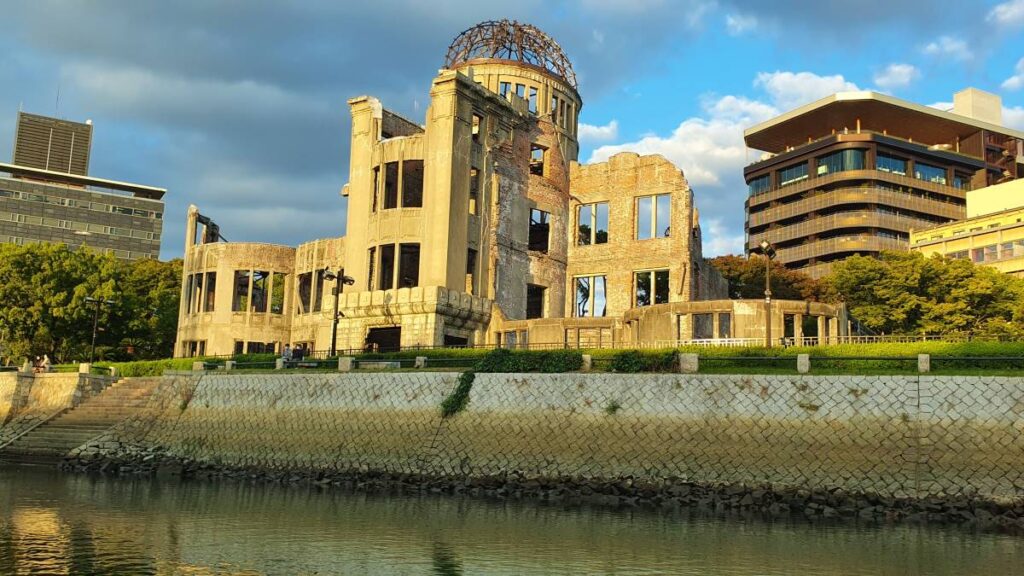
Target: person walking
286,354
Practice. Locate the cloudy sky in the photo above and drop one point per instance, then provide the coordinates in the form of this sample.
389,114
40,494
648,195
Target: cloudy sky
239,106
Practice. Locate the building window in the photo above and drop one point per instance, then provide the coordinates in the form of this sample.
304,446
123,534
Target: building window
371,258
590,296
387,267
961,182
929,173
376,188
554,110
470,271
793,174
211,292
650,287
521,90
652,216
535,301
592,224
841,161
540,226
412,183
724,325
537,153
474,189
977,255
760,185
504,88
531,102
703,326
391,185
408,265
305,292
277,293
477,122
240,303
318,291
889,163
259,291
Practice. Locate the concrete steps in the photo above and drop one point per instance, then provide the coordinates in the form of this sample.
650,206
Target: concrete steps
51,441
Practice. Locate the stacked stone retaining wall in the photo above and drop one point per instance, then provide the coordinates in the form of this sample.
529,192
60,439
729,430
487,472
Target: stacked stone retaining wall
28,400
902,436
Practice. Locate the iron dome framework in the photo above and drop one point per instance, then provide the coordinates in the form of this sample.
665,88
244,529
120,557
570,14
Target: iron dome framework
511,40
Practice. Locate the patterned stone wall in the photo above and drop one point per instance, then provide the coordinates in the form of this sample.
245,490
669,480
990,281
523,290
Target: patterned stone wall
894,435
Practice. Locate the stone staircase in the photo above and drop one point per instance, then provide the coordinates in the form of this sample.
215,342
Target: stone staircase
48,443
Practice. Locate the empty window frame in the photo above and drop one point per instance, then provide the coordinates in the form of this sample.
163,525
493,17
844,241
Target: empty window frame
652,216
540,227
703,326
387,267
537,157
554,110
318,292
260,279
412,183
724,325
477,122
531,101
504,88
592,224
650,287
535,301
408,265
305,288
521,90
277,284
590,294
240,302
211,292
470,271
391,185
474,189
376,188
371,268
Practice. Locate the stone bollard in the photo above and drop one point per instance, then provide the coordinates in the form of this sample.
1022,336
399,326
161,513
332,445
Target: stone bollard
229,365
198,366
803,363
924,363
689,363
588,363
83,368
114,373
279,364
345,363
421,362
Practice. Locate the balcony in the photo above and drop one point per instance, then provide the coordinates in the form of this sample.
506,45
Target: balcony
871,136
852,219
858,195
813,182
830,246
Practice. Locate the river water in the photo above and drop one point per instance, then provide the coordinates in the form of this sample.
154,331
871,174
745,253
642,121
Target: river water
52,523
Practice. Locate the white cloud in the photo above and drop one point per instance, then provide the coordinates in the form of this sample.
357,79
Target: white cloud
738,24
1016,82
792,89
1007,14
954,48
719,239
590,134
896,76
1014,117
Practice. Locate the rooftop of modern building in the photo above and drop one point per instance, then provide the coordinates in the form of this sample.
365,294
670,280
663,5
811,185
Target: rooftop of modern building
76,180
876,112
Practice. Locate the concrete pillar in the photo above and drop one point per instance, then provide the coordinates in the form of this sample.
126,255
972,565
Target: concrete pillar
803,363
821,330
229,365
833,330
345,363
421,362
714,326
588,363
198,366
689,363
798,329
279,364
83,368
924,363
114,373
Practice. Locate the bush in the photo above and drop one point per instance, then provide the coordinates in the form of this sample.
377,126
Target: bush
149,367
628,361
550,361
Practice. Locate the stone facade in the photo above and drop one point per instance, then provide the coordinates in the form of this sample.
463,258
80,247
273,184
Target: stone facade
898,436
459,226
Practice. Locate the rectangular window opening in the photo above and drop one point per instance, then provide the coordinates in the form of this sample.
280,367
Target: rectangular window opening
540,226
477,121
259,291
318,291
474,189
591,298
535,301
387,267
470,271
408,265
305,291
240,303
537,154
211,291
412,184
592,224
652,216
277,293
391,185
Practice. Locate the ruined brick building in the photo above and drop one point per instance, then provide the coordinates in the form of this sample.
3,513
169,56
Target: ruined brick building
477,227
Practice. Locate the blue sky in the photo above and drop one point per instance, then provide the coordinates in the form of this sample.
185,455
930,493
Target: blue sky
240,106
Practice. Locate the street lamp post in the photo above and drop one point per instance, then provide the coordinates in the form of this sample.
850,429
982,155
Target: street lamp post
769,254
99,302
340,280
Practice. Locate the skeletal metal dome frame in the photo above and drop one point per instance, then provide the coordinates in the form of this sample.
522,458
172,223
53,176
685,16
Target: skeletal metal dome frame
510,40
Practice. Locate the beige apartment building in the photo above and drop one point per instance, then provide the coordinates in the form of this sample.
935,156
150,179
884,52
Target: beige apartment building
478,227
992,234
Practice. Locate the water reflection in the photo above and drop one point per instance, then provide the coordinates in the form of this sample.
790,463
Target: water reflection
57,524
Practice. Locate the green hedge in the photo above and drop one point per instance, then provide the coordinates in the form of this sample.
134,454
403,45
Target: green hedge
502,360
149,367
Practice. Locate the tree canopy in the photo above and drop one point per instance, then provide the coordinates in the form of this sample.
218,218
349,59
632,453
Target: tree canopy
43,288
746,279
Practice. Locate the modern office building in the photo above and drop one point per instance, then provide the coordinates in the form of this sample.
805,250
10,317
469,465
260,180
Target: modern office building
992,234
46,195
853,173
480,227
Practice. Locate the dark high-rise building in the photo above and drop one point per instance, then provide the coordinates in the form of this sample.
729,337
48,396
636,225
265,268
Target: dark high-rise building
46,195
853,173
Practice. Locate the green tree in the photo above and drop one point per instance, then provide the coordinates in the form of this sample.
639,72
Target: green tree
746,279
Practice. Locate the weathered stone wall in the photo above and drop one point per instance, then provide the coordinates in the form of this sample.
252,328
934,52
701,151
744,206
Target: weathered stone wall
8,387
35,398
895,435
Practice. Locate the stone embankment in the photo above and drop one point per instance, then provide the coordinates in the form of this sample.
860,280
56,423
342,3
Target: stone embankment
918,448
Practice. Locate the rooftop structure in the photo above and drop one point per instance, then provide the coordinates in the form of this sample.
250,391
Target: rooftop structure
854,172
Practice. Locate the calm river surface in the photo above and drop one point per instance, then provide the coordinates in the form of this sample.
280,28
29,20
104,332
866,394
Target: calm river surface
64,524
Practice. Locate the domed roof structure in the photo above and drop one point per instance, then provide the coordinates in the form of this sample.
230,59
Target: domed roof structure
510,40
